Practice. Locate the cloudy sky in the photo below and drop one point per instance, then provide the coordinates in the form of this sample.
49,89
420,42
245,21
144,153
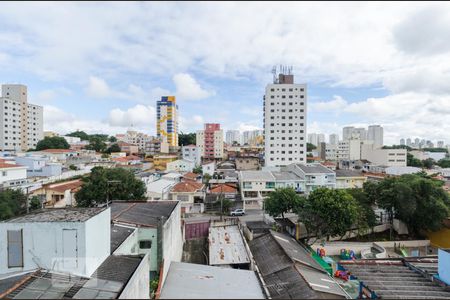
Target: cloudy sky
100,67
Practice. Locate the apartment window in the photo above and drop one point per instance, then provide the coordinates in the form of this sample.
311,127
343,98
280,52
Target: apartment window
4,173
145,244
301,90
15,248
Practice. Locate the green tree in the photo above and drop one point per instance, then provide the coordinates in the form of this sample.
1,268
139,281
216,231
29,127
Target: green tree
81,134
73,167
226,204
444,163
329,212
112,139
281,201
97,144
35,203
398,147
310,147
55,142
186,139
113,148
95,187
197,170
366,204
435,150
411,161
101,137
12,203
428,163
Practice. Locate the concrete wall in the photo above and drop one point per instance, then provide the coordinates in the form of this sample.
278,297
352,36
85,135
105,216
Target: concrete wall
98,240
138,287
444,266
12,174
172,240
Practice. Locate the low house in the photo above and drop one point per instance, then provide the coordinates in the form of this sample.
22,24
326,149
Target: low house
158,231
349,179
289,271
130,160
194,281
402,170
315,175
39,166
228,190
181,165
192,176
128,148
159,189
247,163
12,174
60,194
209,168
160,161
255,186
57,155
68,240
191,152
190,194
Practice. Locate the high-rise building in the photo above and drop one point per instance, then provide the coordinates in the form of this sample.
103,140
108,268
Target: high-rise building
285,121
351,132
21,123
312,138
408,142
347,133
232,136
402,142
252,137
167,120
375,134
135,138
333,139
320,139
440,144
210,142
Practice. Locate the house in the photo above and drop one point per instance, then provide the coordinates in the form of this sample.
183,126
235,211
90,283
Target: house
12,174
289,271
349,179
209,168
174,176
158,231
181,165
191,152
191,195
159,189
401,170
285,179
255,186
247,163
67,240
128,148
314,174
60,194
39,166
192,176
194,281
160,161
130,160
228,190
57,155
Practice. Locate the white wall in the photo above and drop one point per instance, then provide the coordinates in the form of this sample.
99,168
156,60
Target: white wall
14,173
172,240
98,240
138,287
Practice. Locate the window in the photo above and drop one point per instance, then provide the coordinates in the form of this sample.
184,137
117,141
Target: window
145,244
4,173
15,248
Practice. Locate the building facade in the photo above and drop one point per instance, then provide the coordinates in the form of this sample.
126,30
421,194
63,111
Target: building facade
135,138
285,121
333,139
232,136
375,134
210,142
167,120
191,152
21,122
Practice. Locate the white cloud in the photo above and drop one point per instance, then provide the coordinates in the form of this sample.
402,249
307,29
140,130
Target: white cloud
98,88
139,116
337,104
187,88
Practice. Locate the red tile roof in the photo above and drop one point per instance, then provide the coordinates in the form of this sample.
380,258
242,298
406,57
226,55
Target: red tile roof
190,175
187,187
223,188
62,187
4,165
57,150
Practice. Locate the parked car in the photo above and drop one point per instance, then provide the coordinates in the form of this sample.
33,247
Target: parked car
237,212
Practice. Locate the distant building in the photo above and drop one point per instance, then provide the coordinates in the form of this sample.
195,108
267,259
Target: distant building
333,139
210,142
135,138
153,147
181,165
285,121
128,148
384,157
440,144
191,152
39,165
160,161
402,142
233,136
349,179
12,174
375,134
21,122
167,120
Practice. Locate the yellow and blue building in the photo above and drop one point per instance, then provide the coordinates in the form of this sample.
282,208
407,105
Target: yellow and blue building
167,120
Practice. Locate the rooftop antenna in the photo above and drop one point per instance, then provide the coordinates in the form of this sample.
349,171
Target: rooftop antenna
274,72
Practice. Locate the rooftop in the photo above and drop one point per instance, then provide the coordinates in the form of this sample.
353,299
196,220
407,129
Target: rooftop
4,165
118,235
193,281
348,173
226,246
257,176
158,186
64,186
187,187
142,213
314,169
285,176
191,175
223,188
58,215
58,151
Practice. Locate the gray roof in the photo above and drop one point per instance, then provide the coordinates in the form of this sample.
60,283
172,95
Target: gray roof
58,215
118,235
348,173
395,279
285,176
193,281
314,169
118,268
142,213
257,176
226,246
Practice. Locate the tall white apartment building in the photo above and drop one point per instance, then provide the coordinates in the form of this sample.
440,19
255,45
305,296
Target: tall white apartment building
333,139
351,132
252,137
316,138
375,134
21,123
285,121
232,136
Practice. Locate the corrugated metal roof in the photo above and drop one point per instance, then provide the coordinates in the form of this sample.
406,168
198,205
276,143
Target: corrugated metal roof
314,169
73,214
118,235
226,246
142,213
256,176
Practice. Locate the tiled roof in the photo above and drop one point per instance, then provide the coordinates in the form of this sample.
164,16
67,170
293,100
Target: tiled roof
191,175
187,187
62,187
4,165
224,188
58,150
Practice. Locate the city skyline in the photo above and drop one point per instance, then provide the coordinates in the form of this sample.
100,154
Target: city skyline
101,79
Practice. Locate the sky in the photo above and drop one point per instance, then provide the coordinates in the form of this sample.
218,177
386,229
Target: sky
101,66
